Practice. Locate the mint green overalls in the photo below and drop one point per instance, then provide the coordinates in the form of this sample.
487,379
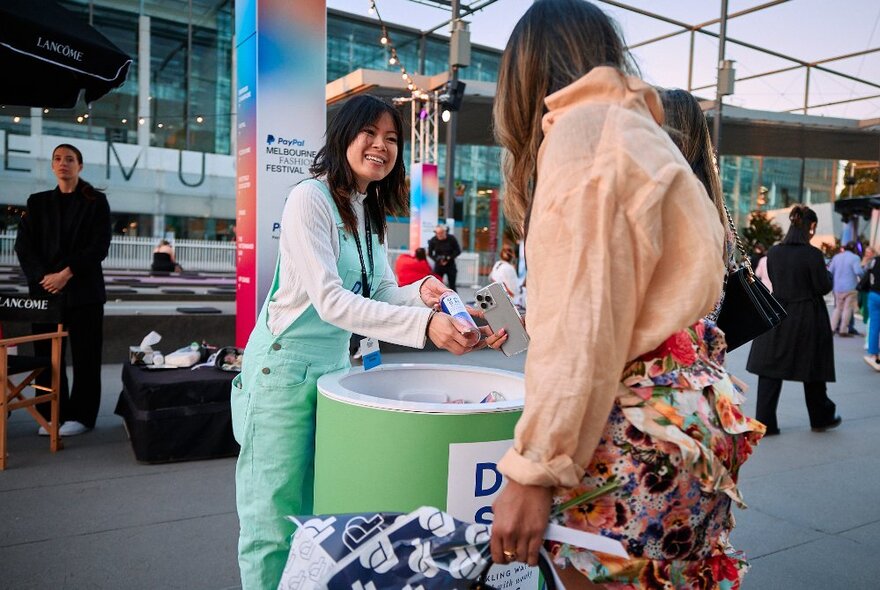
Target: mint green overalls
273,418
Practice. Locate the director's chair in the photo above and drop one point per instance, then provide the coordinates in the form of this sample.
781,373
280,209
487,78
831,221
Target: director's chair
20,308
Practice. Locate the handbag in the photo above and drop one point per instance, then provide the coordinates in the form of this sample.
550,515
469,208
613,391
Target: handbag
866,283
748,309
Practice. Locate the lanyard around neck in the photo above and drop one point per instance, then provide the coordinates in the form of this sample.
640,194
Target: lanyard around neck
365,284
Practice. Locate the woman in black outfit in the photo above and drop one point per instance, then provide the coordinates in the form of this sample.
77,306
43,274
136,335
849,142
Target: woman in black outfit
801,348
62,239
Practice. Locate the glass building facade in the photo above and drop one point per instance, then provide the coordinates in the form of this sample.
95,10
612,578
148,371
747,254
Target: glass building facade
788,181
187,104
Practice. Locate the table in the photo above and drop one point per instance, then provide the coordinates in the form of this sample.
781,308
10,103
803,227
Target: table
177,414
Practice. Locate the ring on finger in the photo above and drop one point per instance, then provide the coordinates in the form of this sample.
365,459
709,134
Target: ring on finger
510,555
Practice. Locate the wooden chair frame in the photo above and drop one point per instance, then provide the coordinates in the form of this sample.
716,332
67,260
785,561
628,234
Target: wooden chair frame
12,397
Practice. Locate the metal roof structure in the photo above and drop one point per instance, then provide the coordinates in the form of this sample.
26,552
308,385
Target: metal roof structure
743,131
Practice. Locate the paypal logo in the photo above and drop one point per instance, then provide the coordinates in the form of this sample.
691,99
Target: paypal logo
270,139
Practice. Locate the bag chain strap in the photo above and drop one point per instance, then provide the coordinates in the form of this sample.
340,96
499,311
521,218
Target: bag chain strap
739,245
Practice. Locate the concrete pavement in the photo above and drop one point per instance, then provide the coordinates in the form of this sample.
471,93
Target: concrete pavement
91,517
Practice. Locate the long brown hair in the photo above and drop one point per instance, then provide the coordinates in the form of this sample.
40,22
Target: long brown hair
88,191
555,43
388,196
686,125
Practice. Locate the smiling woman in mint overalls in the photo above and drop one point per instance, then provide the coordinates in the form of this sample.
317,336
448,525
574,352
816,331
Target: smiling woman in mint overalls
332,278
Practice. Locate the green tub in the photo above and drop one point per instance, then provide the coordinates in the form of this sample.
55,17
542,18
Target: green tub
383,438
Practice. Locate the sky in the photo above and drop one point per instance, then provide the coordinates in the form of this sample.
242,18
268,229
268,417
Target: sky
809,30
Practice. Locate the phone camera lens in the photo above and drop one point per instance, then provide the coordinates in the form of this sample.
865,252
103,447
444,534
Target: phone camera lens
479,297
489,298
483,305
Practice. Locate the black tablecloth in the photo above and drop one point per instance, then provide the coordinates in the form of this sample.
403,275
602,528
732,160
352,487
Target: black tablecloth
151,389
177,414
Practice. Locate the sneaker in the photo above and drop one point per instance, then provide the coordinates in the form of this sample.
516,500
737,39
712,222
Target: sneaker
42,432
872,361
72,428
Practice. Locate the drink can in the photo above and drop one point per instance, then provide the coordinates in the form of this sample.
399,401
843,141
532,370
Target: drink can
451,303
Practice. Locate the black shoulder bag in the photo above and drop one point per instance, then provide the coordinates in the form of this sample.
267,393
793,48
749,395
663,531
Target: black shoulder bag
866,283
748,309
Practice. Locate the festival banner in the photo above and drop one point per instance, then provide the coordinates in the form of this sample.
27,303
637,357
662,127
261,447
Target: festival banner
281,79
424,192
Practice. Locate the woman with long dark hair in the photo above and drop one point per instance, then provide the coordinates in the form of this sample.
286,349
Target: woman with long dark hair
332,278
625,384
801,348
686,124
62,239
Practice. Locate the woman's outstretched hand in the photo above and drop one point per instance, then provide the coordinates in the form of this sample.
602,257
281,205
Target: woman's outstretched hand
521,515
446,333
431,290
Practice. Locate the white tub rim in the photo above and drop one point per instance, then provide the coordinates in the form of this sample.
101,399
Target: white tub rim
330,386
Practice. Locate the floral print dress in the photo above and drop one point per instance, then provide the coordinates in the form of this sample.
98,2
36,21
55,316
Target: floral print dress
674,443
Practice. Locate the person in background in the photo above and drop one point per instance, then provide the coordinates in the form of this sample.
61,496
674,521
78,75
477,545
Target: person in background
861,297
522,271
62,239
758,252
443,249
761,273
163,258
687,127
412,268
504,272
801,348
624,381
867,262
332,279
845,268
871,313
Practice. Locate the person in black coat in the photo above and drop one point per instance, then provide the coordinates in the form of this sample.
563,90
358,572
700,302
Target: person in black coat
63,237
801,347
443,249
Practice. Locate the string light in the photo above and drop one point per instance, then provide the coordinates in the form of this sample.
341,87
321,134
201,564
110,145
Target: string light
116,121
386,42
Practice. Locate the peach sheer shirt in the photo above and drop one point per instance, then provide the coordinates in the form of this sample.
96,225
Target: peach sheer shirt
624,249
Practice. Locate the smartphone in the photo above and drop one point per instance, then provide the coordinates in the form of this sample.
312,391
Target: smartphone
500,312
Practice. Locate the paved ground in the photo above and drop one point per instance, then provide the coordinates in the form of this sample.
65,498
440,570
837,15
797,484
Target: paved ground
91,517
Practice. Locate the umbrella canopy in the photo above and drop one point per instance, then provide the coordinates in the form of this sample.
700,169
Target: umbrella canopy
49,54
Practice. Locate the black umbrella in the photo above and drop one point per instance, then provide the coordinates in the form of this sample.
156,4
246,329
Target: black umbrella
48,54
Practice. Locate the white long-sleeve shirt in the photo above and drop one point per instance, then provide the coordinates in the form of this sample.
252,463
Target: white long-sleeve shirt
309,250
